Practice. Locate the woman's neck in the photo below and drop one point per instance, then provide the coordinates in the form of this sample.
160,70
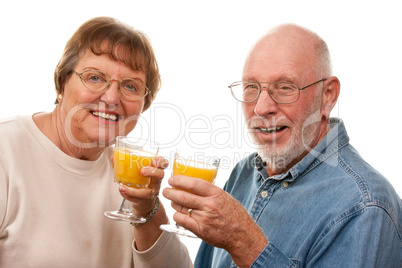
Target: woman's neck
52,126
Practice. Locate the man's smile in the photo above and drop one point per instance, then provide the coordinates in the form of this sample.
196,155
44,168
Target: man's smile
271,130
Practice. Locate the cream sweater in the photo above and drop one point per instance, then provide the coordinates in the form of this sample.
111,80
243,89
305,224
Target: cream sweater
52,205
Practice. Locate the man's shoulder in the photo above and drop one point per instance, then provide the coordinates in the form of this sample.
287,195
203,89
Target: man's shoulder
374,189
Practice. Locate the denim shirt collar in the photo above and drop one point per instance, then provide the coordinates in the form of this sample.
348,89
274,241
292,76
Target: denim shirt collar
335,139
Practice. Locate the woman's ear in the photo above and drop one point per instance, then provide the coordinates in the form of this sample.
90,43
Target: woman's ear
330,95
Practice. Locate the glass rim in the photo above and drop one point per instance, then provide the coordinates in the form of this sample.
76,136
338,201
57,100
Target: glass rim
186,158
138,144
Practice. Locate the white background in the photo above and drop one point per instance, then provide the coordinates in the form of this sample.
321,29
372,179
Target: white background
200,47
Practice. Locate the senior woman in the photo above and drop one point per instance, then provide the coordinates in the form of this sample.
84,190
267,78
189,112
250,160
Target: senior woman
56,178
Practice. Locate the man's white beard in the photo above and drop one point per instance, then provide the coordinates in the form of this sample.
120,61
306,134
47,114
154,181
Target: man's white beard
302,139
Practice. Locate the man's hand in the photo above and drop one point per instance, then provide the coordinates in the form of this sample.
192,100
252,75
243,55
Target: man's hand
216,217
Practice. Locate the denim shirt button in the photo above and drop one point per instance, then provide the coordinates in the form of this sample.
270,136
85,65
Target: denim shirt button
264,194
285,184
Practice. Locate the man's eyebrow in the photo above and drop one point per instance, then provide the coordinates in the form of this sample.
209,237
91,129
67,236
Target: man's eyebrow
283,78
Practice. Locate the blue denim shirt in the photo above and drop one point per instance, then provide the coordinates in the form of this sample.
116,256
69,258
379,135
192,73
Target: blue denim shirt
332,209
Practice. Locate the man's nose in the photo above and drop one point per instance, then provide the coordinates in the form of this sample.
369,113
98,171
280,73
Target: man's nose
265,104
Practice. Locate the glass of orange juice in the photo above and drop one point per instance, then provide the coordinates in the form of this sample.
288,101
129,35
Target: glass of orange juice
130,155
196,165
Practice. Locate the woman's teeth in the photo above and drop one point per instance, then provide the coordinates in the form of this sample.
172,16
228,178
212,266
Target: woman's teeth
106,116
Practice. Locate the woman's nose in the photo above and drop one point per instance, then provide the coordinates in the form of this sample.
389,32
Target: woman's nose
112,95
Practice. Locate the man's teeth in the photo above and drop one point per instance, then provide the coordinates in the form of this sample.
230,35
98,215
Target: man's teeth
271,129
106,116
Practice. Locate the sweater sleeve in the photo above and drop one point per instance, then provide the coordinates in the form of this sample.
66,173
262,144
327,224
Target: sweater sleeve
3,196
167,252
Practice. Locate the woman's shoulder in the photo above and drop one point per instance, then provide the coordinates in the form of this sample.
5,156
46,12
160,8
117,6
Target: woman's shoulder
15,129
9,120
11,125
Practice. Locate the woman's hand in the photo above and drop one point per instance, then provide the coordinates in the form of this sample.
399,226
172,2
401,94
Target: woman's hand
143,199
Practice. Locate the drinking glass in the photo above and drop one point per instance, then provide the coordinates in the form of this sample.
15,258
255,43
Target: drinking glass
196,165
130,155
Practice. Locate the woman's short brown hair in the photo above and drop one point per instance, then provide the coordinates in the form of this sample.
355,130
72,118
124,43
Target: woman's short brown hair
97,32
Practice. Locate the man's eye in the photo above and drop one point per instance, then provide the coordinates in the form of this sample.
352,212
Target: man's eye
250,87
285,87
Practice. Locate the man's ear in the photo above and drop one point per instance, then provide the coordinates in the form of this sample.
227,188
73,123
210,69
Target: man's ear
330,95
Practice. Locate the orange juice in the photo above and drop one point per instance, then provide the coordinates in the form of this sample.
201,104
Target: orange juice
208,174
127,167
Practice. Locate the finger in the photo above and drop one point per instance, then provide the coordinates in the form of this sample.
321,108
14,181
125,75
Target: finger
143,200
160,162
156,174
183,198
137,195
156,171
196,186
179,208
187,220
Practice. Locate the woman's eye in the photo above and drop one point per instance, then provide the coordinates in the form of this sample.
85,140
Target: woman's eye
95,79
130,87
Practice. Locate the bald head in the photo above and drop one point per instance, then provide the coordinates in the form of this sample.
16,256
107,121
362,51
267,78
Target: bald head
293,44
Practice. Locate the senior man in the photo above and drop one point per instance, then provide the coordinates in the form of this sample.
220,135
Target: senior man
306,198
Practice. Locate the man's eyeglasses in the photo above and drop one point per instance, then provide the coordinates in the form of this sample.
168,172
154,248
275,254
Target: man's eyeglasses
98,81
280,92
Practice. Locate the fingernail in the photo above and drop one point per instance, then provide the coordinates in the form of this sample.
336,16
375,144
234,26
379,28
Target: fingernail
144,170
122,188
